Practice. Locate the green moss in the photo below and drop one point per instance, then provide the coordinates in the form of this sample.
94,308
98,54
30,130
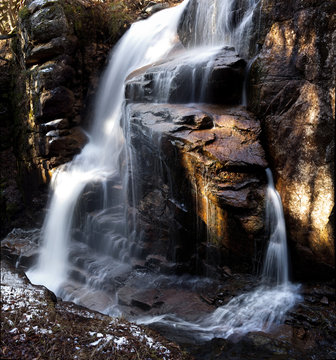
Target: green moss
104,21
24,13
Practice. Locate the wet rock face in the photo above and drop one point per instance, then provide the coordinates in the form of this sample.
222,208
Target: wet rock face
216,79
208,186
293,92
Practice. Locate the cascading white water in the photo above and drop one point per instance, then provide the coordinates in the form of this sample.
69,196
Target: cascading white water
217,24
100,161
257,310
144,43
224,22
275,267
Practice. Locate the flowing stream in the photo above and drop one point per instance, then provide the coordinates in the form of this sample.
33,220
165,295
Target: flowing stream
104,164
260,309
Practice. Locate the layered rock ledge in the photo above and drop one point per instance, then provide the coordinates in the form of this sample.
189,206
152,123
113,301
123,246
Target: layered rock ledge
204,75
208,191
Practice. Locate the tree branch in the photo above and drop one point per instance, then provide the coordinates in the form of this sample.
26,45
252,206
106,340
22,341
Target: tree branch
4,59
7,36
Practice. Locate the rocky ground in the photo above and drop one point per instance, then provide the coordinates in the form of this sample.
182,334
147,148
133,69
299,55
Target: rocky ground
36,325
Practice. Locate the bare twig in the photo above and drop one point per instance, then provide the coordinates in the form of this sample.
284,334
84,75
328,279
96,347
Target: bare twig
7,36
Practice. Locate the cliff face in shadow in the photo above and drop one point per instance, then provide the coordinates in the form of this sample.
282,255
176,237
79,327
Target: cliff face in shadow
292,91
49,77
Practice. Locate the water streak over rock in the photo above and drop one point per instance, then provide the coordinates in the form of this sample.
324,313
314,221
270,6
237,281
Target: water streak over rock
204,75
209,173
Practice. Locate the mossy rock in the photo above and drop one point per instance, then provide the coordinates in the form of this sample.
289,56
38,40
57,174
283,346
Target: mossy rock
48,23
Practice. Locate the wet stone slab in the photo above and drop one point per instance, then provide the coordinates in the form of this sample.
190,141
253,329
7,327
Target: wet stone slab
212,76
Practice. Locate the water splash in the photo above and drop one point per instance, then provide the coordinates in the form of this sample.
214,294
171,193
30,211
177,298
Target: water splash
258,310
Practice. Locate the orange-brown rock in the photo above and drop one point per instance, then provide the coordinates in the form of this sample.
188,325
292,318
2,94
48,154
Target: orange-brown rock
209,183
293,92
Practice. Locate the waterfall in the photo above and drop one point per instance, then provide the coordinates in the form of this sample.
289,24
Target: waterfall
276,259
221,22
258,310
105,163
144,43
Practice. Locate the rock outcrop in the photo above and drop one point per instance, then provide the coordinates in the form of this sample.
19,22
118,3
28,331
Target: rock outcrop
205,205
292,90
48,89
214,77
50,51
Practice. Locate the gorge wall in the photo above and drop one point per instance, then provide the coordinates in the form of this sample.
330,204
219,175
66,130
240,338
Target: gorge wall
55,59
213,156
292,91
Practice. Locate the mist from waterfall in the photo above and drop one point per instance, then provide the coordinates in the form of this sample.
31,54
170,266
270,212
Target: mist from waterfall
105,160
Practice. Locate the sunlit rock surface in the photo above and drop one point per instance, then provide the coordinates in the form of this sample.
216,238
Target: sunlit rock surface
293,92
209,182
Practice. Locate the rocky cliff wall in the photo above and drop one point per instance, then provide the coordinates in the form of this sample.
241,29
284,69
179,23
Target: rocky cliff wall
292,91
198,182
58,53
